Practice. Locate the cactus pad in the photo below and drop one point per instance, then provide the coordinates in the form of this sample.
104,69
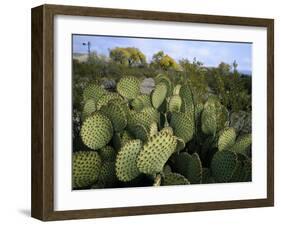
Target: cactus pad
140,132
156,152
116,115
141,102
158,95
89,108
96,131
93,91
190,166
126,161
209,119
176,90
107,154
174,179
141,118
152,113
105,99
183,125
86,168
153,129
175,103
242,144
128,87
107,176
226,139
223,165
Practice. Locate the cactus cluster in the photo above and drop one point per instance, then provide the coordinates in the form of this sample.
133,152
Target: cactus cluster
165,137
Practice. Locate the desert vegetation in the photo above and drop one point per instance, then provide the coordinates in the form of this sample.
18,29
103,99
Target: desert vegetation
162,122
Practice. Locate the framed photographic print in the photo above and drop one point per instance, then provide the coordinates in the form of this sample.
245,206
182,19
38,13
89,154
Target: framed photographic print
141,112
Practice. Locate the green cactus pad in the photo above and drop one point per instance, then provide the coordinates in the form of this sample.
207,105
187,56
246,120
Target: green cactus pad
176,90
128,87
140,132
105,99
158,95
175,103
116,115
153,114
126,136
88,109
153,129
107,176
107,154
96,131
156,152
226,139
161,78
214,116
190,166
126,161
168,130
141,118
238,174
242,144
187,98
223,165
183,125
141,102
86,168
93,91
174,179
209,119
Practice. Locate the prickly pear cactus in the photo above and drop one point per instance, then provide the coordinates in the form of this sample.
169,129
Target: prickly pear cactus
93,91
189,166
116,115
141,102
89,108
183,125
175,103
156,152
209,119
107,177
86,168
96,131
106,98
152,113
126,161
107,154
128,87
158,133
223,165
174,179
242,144
159,94
227,139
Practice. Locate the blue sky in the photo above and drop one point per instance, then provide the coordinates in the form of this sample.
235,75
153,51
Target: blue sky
210,53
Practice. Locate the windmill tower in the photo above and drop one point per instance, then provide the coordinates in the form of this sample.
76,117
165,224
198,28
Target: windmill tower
88,44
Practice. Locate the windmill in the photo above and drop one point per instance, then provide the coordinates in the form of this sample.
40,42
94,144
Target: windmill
89,48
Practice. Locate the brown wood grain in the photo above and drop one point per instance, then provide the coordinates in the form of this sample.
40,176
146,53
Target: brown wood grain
42,203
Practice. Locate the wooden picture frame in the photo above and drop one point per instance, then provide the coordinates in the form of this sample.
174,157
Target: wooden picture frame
43,108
